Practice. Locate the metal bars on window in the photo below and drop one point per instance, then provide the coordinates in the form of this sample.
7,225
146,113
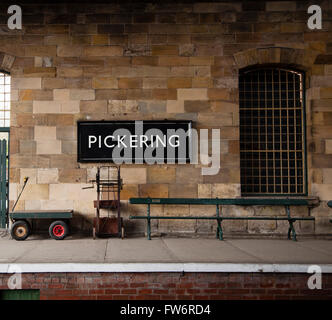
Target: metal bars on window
272,145
4,100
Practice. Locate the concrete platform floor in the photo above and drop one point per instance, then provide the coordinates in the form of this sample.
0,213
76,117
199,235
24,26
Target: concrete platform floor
39,250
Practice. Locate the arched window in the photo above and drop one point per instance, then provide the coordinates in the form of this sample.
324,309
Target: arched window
4,100
272,132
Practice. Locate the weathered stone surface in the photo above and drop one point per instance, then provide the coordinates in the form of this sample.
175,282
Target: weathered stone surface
179,62
183,190
48,147
192,94
47,176
153,190
160,174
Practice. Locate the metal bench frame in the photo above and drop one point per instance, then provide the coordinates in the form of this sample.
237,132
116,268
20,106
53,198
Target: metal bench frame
218,217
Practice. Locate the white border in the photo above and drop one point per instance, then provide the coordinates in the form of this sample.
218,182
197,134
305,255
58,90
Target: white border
159,267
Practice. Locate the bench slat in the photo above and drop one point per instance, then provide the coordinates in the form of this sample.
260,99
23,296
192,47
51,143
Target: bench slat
208,201
221,218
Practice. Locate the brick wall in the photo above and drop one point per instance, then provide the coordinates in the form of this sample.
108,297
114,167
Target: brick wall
151,286
156,61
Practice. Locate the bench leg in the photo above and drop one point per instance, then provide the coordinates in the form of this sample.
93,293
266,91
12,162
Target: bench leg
219,234
219,231
148,223
291,231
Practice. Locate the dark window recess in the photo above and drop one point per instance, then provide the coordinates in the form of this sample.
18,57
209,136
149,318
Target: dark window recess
272,132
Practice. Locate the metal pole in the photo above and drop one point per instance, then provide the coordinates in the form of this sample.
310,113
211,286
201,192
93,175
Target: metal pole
149,222
19,196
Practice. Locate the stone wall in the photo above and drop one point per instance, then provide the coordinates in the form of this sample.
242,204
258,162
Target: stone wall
144,61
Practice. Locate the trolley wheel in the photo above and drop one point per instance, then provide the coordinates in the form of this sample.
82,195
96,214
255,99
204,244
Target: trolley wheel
20,230
58,230
122,233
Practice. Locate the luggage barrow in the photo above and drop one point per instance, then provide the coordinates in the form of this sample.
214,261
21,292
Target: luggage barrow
58,229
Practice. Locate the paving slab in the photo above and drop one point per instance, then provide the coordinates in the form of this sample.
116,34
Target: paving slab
52,251
322,246
211,250
282,251
138,250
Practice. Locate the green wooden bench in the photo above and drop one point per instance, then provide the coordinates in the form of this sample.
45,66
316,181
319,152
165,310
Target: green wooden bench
219,217
329,203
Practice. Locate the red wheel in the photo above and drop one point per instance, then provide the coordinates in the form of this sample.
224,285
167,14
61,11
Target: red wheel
58,230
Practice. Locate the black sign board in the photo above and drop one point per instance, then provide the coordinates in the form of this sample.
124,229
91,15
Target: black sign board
134,141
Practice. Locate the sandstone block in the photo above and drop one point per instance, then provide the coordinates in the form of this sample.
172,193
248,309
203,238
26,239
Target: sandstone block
196,106
129,191
188,174
173,61
99,106
166,50
160,174
153,190
36,192
280,6
323,191
47,176
122,106
69,147
69,51
28,172
70,72
179,83
70,107
204,190
134,175
26,147
175,106
48,147
41,51
103,51
104,83
235,226
84,94
192,94
39,72
72,175
264,226
66,133
226,190
26,83
46,107
328,146
45,133
61,94
183,190
130,83
154,83
201,61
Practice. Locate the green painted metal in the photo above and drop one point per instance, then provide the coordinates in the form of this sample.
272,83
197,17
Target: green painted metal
217,201
3,183
218,217
50,214
22,294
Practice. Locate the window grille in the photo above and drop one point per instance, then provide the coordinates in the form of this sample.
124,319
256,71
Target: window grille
4,100
272,136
